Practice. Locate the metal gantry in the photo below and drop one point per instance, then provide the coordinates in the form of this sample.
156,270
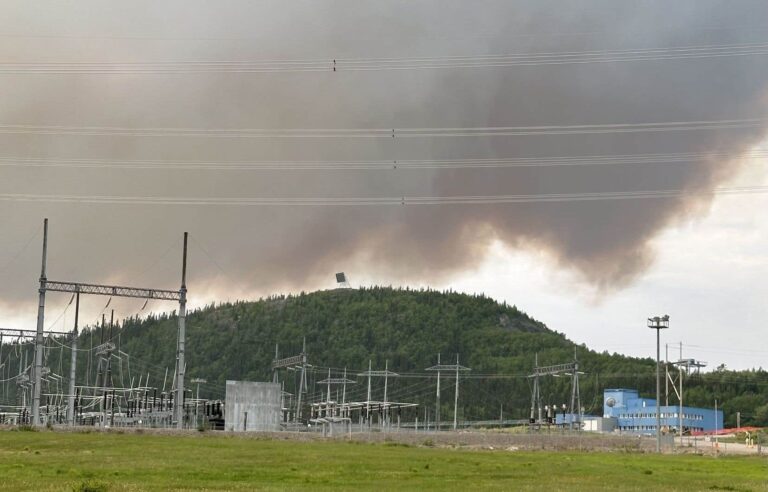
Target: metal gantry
457,368
683,366
386,373
293,363
330,411
78,288
567,369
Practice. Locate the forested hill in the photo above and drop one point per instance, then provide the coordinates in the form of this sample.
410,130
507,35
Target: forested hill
407,328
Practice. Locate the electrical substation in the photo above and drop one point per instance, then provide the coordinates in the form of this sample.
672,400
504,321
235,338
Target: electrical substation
118,389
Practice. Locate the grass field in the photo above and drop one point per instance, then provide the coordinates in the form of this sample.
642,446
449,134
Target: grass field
112,461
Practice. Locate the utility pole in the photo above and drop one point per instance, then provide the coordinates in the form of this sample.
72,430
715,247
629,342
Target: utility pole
37,378
717,444
108,379
368,398
302,379
658,323
437,395
274,369
71,416
666,372
197,381
456,395
536,396
437,403
681,395
181,366
386,377
575,393
344,389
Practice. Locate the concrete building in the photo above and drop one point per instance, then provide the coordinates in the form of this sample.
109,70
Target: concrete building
638,415
252,406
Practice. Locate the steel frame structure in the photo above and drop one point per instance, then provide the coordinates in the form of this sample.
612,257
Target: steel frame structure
568,369
293,363
448,367
78,288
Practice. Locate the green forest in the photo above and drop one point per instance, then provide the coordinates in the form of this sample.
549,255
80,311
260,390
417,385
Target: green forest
400,328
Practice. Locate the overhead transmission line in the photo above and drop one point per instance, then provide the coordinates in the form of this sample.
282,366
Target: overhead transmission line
490,131
537,34
393,63
512,162
381,201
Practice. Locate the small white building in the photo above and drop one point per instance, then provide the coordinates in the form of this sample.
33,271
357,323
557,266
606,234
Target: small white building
252,406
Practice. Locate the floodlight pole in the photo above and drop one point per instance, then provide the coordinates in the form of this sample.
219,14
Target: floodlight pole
180,366
658,323
37,378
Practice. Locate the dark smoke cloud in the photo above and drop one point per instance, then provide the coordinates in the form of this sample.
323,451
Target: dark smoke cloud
258,250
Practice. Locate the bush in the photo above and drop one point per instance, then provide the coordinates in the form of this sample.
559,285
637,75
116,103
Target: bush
91,486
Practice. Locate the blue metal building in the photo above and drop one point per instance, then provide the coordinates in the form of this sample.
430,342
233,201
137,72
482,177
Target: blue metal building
638,415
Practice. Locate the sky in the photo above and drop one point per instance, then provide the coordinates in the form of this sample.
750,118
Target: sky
474,145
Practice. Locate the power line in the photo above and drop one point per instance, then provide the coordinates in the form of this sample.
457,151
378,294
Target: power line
21,251
523,162
356,201
386,132
537,34
393,63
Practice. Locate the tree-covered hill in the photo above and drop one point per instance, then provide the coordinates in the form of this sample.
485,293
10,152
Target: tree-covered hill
408,328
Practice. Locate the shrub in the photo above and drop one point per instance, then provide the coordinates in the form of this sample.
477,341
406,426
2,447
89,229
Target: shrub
91,486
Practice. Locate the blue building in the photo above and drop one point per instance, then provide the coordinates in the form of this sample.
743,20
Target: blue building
638,415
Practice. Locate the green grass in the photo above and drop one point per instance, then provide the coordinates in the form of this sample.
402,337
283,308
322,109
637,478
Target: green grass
112,461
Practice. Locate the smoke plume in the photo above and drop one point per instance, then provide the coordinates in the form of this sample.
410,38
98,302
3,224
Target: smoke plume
241,250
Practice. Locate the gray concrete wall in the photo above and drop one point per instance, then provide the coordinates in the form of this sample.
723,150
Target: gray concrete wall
252,406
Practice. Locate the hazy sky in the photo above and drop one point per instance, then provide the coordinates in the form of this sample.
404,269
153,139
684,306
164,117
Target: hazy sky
592,269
